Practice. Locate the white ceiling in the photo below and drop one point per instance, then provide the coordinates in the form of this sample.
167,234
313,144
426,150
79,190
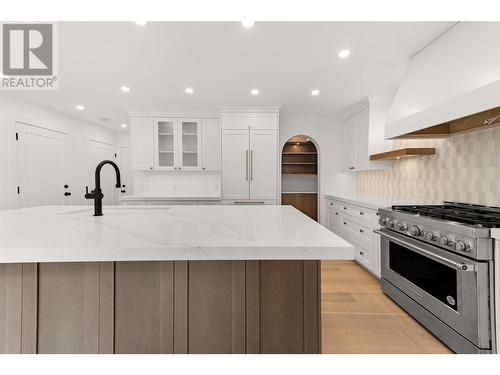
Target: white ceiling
222,62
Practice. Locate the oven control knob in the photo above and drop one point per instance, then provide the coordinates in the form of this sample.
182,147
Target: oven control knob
392,223
414,230
429,236
402,226
443,240
384,221
462,246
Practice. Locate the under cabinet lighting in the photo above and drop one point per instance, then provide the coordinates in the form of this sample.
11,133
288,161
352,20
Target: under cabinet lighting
344,53
123,125
189,90
254,92
315,92
125,89
80,107
141,23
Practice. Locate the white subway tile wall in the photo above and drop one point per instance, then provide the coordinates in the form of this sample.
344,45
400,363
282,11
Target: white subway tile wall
466,168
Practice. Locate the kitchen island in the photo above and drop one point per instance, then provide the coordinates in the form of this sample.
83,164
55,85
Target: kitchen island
184,279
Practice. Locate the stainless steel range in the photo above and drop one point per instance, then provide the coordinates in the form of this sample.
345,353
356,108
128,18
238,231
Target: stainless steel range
437,264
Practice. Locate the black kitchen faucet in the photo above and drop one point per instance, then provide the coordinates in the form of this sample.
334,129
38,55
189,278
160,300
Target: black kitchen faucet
96,194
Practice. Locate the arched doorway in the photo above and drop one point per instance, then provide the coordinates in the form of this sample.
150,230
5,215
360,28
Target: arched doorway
299,175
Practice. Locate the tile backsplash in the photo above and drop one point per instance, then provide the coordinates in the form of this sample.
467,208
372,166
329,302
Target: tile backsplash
466,168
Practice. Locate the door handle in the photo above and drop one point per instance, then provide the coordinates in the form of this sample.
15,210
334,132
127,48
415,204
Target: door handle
251,165
246,153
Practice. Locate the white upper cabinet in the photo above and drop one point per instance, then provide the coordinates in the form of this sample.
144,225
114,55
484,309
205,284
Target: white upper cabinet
175,144
189,144
142,142
249,120
210,145
363,135
166,139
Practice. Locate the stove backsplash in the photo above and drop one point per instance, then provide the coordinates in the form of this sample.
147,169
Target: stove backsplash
466,168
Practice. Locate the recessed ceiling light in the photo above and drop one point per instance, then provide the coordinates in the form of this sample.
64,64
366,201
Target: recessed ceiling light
80,107
344,53
189,90
254,92
141,23
125,89
315,92
247,24
123,125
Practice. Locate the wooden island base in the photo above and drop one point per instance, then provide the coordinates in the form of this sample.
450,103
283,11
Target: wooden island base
161,307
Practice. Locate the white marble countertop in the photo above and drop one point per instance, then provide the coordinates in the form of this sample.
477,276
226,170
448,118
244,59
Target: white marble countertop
140,233
164,198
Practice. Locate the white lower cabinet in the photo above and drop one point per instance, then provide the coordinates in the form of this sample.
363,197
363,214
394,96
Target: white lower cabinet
355,224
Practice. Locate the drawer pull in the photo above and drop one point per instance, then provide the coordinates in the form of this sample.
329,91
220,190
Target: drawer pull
345,223
361,253
361,213
345,208
336,213
361,231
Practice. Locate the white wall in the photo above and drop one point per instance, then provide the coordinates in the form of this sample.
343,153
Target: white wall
326,133
79,131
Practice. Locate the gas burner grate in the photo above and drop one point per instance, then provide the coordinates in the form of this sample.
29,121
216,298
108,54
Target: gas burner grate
481,216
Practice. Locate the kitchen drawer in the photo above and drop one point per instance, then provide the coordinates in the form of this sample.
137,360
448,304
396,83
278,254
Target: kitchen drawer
361,212
364,255
361,234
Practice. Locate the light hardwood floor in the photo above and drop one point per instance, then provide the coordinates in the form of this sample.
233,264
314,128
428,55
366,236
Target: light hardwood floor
358,318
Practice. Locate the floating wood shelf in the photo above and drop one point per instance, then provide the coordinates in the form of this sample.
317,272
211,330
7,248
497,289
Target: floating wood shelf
403,153
478,121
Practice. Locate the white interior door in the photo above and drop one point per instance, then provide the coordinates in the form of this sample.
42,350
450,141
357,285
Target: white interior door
99,152
263,164
42,169
235,171
126,171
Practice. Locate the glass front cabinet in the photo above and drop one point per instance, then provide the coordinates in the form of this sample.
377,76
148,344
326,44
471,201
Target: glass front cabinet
177,144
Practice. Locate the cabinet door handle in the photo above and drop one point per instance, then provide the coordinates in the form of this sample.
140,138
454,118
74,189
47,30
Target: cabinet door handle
361,231
361,253
67,194
361,213
246,153
351,168
336,213
345,208
251,165
345,223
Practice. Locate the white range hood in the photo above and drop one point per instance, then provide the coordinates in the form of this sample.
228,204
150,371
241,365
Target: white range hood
455,76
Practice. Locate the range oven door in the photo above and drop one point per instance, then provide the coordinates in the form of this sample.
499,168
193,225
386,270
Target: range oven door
453,288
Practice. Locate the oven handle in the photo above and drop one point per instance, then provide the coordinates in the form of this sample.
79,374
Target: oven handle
460,266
